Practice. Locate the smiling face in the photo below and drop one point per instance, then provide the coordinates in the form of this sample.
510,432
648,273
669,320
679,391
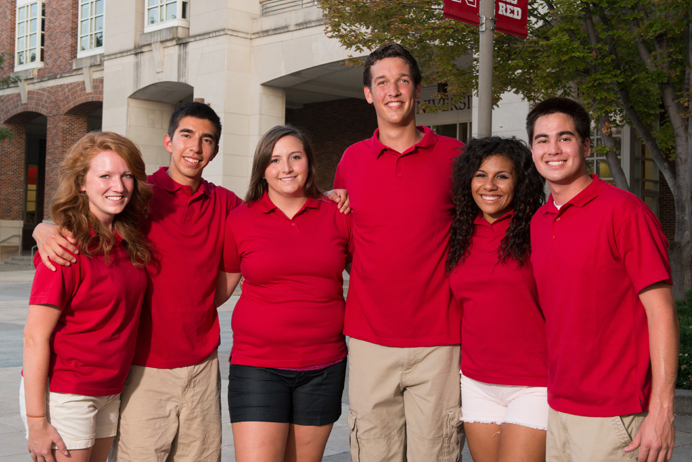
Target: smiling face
192,147
558,151
288,170
109,185
493,185
392,92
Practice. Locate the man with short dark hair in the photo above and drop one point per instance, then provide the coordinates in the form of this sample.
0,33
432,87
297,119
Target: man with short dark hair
601,265
403,322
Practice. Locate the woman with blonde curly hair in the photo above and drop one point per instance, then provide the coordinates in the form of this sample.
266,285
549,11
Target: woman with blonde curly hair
82,324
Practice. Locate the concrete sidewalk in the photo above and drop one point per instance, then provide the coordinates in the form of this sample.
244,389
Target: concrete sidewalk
15,287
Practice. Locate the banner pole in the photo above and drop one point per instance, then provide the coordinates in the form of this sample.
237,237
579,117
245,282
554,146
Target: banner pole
485,68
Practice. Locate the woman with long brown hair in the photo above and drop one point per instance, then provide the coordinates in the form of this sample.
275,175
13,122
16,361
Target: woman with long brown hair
81,328
288,360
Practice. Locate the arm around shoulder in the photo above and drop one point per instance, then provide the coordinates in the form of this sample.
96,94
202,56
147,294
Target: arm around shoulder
54,246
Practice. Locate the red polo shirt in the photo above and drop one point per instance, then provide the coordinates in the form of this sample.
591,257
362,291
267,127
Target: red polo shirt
180,325
591,259
502,327
291,312
399,295
94,340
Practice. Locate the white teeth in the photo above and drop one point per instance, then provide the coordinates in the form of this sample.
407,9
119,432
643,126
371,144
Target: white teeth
491,198
557,162
192,161
115,198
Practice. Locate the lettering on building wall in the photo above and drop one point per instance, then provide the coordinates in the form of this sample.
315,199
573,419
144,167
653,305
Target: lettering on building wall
460,106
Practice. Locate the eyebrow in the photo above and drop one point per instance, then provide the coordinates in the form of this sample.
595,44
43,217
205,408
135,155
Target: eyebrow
384,76
562,133
204,135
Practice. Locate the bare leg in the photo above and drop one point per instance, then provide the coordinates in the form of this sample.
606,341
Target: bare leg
306,443
76,455
483,440
521,444
100,450
259,441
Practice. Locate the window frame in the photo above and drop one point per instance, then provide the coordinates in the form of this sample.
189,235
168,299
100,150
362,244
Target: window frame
178,22
92,33
41,30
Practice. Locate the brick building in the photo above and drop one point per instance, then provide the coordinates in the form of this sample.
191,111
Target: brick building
126,65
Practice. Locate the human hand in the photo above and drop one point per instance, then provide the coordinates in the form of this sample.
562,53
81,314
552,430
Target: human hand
42,436
656,436
340,196
53,246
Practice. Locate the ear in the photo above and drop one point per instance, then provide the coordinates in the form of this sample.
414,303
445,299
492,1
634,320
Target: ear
167,140
216,151
368,94
419,91
586,146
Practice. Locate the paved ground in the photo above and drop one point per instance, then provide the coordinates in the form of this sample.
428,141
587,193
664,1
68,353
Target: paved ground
14,295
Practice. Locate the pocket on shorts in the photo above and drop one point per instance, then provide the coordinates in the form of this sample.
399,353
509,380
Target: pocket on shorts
353,436
620,429
454,435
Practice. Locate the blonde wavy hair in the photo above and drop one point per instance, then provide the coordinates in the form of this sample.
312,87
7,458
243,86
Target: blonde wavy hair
70,206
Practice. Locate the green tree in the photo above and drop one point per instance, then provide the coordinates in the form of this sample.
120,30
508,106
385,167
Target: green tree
4,83
629,61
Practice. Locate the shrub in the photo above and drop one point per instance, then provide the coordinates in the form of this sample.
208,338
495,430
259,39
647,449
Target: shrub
685,365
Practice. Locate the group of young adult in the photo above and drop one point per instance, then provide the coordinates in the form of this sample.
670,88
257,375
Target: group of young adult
558,319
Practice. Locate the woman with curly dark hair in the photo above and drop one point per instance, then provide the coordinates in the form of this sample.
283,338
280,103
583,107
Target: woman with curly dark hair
79,338
504,360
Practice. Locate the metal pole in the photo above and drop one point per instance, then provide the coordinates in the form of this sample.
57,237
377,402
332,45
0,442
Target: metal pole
485,68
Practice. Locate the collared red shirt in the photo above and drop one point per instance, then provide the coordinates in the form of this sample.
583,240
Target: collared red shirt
180,325
402,205
291,311
94,340
591,259
502,327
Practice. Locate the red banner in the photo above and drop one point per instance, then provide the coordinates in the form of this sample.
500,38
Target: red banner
510,15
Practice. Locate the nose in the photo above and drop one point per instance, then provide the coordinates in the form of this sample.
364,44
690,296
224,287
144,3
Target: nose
286,166
117,183
197,145
394,89
489,184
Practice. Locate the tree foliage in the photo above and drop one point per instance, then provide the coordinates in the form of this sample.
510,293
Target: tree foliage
629,61
4,83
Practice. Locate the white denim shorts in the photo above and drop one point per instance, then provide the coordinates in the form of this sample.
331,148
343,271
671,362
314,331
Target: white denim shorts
80,420
498,404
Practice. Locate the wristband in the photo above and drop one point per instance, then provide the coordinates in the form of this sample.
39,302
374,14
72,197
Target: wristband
35,416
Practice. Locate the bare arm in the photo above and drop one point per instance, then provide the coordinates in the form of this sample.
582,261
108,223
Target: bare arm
39,326
340,196
656,436
225,285
53,246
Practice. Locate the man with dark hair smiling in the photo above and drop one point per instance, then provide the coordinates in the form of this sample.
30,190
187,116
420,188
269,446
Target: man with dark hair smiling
403,322
601,265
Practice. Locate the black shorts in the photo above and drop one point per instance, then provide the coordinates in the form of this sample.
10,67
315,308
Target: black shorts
261,394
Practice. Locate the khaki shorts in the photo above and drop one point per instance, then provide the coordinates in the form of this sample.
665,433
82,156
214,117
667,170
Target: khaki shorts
573,438
171,414
404,403
80,420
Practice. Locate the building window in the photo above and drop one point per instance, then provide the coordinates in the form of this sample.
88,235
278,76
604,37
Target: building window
90,39
166,13
597,163
460,131
30,26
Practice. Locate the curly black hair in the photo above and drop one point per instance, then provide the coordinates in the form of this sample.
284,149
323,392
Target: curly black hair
529,195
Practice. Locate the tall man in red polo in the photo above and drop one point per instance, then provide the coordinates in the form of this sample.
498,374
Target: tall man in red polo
601,265
170,408
400,314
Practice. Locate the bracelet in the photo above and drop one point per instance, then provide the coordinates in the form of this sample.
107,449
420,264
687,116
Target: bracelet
35,416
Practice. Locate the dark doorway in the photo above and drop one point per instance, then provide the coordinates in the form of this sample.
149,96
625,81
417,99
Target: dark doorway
34,178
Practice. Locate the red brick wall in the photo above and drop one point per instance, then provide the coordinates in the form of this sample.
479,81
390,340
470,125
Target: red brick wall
8,10
66,108
61,36
12,174
332,127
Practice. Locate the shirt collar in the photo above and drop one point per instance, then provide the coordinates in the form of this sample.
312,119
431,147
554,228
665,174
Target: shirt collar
266,205
428,142
166,182
592,191
483,222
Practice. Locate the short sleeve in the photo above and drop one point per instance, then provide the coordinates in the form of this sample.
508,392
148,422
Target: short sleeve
644,249
230,263
54,287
